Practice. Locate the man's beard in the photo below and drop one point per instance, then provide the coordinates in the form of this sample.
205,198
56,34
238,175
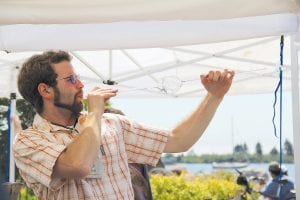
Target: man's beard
75,108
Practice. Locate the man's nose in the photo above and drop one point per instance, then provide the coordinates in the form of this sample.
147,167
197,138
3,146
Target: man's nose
79,84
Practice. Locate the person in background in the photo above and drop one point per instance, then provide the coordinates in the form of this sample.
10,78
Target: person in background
138,172
272,190
67,155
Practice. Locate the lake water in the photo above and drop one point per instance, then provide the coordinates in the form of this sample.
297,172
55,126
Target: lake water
203,167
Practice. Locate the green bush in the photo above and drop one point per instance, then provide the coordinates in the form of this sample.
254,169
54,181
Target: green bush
26,194
217,186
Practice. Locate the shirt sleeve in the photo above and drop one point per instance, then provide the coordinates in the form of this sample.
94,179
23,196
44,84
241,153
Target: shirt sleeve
35,157
143,144
271,190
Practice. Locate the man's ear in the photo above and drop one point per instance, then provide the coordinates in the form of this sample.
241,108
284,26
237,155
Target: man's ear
45,90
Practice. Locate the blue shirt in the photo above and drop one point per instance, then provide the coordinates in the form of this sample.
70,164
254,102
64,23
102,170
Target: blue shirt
273,189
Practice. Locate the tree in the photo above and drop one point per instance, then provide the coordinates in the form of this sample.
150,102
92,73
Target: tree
245,146
168,158
274,151
288,148
191,153
3,136
258,149
180,157
238,149
26,113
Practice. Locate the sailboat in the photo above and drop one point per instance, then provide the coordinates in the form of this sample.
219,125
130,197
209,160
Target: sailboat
230,164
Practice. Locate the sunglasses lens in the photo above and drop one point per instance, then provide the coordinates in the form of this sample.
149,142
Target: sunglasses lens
73,79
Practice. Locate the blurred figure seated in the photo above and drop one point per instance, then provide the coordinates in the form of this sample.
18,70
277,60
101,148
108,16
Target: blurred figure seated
280,187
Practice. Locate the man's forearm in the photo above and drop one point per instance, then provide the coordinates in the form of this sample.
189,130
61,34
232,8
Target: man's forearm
78,158
185,134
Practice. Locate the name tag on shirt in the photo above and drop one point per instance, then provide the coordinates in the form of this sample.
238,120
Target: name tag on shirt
97,169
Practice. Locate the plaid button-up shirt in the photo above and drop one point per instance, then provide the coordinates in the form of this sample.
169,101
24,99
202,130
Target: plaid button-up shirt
37,148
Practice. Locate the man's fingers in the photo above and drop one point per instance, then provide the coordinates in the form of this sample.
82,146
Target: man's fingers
210,75
224,74
98,96
107,96
203,77
104,89
99,91
216,75
227,74
232,73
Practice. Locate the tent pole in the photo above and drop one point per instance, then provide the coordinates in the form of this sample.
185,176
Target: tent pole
102,77
11,138
159,68
13,99
244,60
110,61
132,59
295,109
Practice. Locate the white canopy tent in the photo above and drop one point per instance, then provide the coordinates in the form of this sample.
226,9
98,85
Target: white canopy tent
159,48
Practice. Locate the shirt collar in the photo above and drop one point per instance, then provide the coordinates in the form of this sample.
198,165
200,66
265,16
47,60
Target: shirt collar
41,123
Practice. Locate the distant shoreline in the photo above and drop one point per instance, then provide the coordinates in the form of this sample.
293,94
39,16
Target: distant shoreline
210,158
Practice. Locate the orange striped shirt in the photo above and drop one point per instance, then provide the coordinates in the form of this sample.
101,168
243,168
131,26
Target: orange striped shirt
37,148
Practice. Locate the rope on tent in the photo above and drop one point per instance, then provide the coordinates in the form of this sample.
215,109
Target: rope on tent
279,86
168,85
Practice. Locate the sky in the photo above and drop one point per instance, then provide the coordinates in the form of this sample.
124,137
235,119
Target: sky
239,119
